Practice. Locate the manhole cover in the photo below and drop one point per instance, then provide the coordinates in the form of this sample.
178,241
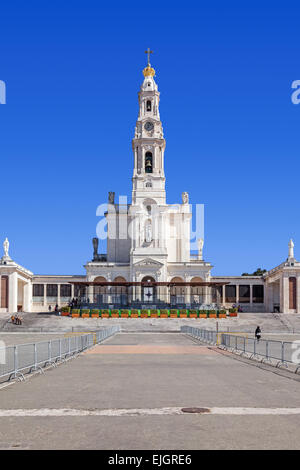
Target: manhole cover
195,410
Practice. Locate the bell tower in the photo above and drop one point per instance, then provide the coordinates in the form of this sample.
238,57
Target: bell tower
148,144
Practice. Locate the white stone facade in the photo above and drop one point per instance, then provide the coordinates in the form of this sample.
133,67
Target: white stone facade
150,239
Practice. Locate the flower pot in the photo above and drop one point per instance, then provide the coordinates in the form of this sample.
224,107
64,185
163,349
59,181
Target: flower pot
202,315
124,315
65,314
212,315
154,315
233,314
222,315
183,315
105,315
193,315
144,315
95,315
163,315
173,315
134,315
75,315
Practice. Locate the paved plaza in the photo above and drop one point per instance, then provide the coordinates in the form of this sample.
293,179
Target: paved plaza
128,393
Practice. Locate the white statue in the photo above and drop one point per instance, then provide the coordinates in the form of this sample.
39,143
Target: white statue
148,234
291,249
185,198
200,248
6,247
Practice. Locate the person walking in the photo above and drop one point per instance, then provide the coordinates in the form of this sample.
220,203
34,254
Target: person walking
258,333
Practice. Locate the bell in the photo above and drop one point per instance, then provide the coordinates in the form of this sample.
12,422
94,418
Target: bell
148,164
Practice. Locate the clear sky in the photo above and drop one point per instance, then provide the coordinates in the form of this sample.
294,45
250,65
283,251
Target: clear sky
224,70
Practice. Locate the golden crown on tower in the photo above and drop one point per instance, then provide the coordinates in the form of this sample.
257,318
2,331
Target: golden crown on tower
148,71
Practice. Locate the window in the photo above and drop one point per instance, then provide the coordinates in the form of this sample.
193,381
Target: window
52,290
258,294
230,294
38,290
148,184
148,106
65,290
244,294
148,162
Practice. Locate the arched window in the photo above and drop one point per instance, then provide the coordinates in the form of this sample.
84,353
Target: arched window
148,105
148,162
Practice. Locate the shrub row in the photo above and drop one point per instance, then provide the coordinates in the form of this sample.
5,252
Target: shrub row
135,313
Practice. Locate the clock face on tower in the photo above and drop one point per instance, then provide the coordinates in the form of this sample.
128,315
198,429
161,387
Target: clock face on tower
149,126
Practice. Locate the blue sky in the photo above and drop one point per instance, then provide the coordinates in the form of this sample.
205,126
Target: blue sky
224,70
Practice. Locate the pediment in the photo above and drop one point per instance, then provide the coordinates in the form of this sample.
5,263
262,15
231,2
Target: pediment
148,262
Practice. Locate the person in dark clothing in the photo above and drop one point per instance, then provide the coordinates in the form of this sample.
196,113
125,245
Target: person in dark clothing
258,333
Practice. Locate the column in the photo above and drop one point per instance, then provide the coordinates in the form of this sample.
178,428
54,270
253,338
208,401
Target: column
13,293
58,294
27,297
237,287
223,295
298,294
72,291
285,293
45,295
251,295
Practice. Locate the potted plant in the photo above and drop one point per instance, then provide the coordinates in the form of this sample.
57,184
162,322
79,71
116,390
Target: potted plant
212,314
174,313
95,313
202,314
85,313
222,314
124,313
65,311
105,313
115,313
75,313
164,313
144,313
193,313
233,312
183,313
154,313
135,313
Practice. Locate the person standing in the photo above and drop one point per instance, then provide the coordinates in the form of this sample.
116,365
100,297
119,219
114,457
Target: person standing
258,333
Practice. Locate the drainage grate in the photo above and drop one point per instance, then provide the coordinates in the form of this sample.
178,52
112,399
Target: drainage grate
195,410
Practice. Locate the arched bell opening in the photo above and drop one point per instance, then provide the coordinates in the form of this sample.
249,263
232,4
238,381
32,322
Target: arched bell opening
148,163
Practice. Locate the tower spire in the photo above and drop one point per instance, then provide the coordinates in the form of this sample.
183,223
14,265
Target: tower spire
148,51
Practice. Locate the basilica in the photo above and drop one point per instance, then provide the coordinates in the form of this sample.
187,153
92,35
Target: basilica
149,262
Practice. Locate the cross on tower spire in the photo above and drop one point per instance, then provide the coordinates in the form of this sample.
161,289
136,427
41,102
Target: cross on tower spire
148,51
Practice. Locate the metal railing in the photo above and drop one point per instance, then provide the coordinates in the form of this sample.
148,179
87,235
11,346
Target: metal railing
280,351
15,361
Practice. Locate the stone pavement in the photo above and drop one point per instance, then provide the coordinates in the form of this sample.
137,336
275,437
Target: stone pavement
134,399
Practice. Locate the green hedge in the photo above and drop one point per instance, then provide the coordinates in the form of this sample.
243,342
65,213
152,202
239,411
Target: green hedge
183,311
65,309
75,310
165,311
125,311
114,311
193,311
95,310
105,311
174,311
85,310
135,311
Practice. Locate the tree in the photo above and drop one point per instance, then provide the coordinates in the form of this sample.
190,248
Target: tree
258,272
